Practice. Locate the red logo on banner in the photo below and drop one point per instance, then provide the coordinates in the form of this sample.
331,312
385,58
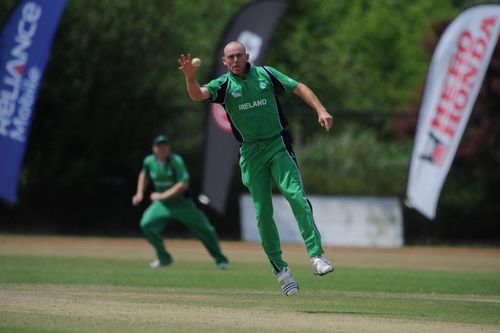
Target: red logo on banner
220,117
438,154
460,78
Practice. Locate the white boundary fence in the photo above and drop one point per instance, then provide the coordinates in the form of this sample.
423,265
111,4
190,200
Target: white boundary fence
342,221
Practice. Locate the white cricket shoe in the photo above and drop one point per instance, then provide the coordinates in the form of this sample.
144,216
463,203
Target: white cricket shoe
321,266
158,264
288,284
222,265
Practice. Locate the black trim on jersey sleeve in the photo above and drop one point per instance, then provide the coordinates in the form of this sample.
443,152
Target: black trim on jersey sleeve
278,86
221,92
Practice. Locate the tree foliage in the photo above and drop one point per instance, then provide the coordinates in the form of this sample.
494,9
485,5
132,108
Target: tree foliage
112,83
361,54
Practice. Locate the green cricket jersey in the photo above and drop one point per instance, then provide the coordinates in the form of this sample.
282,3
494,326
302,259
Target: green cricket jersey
165,175
251,103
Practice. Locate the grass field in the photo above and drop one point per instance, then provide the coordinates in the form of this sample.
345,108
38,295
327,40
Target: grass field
70,284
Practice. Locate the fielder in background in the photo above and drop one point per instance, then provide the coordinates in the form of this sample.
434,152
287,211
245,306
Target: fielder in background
170,201
249,95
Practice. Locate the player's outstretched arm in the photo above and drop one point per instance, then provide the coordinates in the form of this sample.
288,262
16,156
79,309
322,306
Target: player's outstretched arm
142,182
196,92
324,118
175,190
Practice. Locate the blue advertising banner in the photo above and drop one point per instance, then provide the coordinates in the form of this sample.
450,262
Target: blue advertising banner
25,43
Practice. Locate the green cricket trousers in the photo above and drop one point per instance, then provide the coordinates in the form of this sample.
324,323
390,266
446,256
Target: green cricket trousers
159,214
273,160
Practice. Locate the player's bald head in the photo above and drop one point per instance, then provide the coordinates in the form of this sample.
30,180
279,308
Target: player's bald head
234,46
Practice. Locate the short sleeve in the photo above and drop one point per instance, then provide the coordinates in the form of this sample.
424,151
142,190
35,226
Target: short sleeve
145,164
287,82
217,88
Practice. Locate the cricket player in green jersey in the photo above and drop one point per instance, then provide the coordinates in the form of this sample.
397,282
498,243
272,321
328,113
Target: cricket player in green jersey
170,201
249,96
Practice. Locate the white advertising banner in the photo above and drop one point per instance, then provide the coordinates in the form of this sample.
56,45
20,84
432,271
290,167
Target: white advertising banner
455,76
341,221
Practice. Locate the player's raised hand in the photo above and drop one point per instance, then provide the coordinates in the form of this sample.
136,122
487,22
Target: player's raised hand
186,65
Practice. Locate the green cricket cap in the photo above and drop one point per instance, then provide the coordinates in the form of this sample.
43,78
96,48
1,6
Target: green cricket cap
160,139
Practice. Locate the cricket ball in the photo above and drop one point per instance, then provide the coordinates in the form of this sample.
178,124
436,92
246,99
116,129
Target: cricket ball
196,62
